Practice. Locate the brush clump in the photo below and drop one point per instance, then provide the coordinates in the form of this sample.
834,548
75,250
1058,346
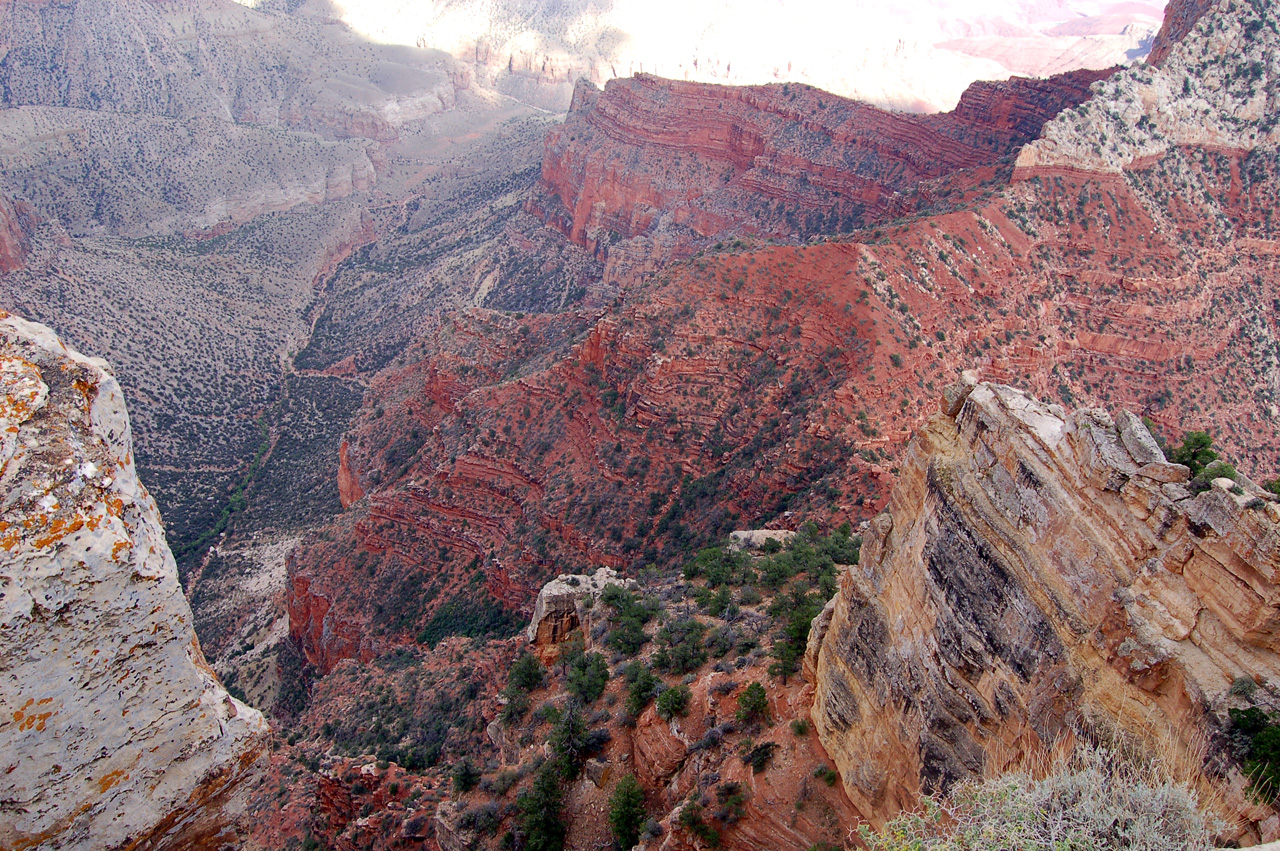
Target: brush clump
1093,800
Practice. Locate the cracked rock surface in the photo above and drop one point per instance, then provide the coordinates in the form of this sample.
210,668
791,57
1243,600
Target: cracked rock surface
115,732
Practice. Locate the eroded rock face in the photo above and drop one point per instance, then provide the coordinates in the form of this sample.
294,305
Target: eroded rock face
650,154
115,731
1035,569
1213,88
17,223
565,603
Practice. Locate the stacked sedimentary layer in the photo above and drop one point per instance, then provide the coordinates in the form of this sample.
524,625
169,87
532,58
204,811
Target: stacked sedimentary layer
648,153
115,731
1035,571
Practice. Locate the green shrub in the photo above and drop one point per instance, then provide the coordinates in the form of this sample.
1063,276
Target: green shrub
753,704
571,741
475,616
732,800
630,615
540,811
792,640
717,565
1213,470
1195,451
517,705
587,677
526,673
758,757
465,776
627,814
826,774
1261,761
642,685
691,820
673,701
714,603
681,651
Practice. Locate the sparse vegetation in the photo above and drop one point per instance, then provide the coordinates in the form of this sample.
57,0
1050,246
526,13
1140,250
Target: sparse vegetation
1096,800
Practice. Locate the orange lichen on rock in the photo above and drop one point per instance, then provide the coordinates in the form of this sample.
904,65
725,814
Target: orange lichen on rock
115,693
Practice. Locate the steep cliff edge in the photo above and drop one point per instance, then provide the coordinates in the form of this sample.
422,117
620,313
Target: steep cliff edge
1036,571
17,223
648,153
1179,17
116,732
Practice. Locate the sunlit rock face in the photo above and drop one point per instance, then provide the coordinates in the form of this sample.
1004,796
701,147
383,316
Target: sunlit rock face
115,731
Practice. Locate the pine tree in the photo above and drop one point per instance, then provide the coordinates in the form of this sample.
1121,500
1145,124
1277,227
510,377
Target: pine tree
541,817
626,812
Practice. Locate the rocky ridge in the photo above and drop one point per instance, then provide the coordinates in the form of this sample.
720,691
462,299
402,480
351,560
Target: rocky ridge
648,154
1039,573
564,604
1216,88
116,732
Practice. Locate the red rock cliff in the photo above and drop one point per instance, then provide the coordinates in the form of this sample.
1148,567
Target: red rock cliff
705,159
17,224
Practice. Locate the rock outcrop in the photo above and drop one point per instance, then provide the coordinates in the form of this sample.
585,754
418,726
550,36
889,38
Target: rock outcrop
648,153
1179,17
565,603
17,223
755,539
116,732
1038,572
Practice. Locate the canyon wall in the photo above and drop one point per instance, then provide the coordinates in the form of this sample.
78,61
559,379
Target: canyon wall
648,153
116,732
1214,89
1037,573
17,223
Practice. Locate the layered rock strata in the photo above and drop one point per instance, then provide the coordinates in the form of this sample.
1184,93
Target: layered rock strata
1036,572
648,153
116,732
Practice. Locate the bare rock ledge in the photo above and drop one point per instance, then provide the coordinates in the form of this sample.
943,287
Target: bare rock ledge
1036,573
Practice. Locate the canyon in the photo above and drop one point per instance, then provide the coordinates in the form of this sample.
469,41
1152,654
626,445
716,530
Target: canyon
418,348
918,59
756,382
755,379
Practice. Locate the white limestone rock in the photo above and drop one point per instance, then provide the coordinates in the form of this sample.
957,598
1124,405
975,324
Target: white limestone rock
755,539
115,731
563,602
1218,88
